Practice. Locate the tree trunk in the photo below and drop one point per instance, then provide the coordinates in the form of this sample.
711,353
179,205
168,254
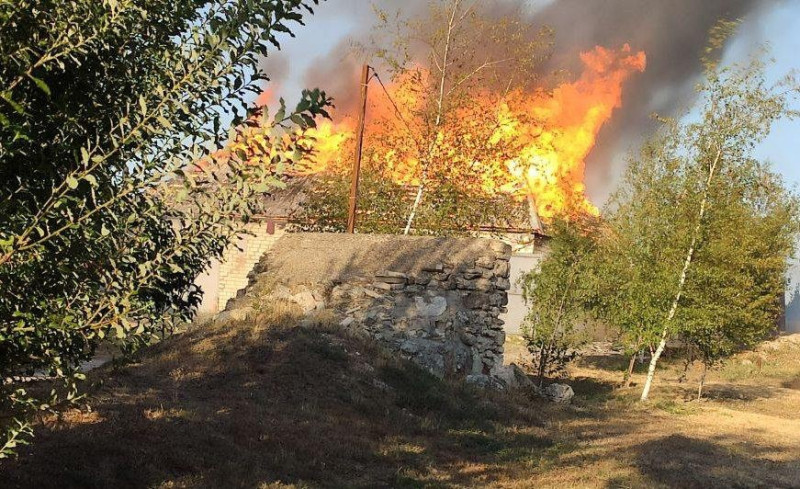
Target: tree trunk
682,281
543,359
414,207
439,112
533,214
651,370
702,382
626,381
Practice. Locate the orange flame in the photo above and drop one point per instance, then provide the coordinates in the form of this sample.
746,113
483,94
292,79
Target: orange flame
552,134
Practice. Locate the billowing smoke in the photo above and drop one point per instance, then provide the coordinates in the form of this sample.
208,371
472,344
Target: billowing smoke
673,33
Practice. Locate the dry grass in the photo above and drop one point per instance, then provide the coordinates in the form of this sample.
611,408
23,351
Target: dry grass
276,403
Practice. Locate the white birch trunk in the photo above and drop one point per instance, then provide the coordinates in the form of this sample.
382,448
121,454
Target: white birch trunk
651,371
533,214
414,207
439,109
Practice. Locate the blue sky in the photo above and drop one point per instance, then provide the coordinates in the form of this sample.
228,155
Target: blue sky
780,27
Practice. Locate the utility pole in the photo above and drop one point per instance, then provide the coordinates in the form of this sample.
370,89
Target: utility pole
362,114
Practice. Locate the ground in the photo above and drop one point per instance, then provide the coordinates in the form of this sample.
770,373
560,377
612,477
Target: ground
280,403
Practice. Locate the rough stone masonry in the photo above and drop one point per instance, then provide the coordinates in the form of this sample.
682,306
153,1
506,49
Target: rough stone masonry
436,301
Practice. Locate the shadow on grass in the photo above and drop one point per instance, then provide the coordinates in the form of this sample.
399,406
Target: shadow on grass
592,389
793,383
615,362
721,392
608,363
268,407
681,461
733,392
242,406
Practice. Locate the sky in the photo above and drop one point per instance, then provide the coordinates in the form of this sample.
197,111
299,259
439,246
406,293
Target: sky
782,148
776,24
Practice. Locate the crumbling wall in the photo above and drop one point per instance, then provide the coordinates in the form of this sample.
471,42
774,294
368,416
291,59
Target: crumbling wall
258,237
436,301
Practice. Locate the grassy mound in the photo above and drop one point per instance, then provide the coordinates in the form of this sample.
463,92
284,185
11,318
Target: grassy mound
276,402
271,403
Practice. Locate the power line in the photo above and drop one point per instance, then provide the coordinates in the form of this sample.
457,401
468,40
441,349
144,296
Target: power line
391,100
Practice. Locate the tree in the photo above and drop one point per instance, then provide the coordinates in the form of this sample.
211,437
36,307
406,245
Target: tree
747,245
634,254
103,104
698,181
559,293
473,67
384,204
456,73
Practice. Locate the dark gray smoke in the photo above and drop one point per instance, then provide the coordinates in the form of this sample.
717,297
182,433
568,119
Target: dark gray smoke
672,32
337,70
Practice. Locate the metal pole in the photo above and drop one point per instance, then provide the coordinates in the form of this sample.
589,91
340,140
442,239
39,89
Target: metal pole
351,217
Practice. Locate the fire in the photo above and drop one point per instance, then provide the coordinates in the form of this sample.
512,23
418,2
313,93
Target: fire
266,97
548,134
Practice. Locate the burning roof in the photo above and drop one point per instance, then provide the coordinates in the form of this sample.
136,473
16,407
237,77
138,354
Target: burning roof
552,132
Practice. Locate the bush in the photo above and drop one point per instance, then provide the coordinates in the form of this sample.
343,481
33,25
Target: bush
114,194
558,294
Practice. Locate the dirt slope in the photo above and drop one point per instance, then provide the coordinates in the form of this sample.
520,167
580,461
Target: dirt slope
273,403
249,405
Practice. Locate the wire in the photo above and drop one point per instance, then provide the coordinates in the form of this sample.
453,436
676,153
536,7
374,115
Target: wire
391,100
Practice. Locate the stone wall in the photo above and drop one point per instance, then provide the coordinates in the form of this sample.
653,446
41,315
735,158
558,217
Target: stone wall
436,301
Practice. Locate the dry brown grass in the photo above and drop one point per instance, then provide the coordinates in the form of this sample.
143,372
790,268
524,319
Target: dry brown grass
276,403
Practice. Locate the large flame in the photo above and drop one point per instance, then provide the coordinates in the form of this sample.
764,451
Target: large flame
552,133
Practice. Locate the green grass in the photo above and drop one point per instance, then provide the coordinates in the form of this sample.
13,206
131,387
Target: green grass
676,407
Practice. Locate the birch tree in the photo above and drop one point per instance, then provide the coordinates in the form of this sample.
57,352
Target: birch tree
683,181
635,285
461,61
736,295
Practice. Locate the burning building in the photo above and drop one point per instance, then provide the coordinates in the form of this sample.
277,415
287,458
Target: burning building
533,146
529,140
532,149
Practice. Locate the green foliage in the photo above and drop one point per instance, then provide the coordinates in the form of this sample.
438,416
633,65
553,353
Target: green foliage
383,206
16,435
558,295
640,250
700,233
113,196
736,294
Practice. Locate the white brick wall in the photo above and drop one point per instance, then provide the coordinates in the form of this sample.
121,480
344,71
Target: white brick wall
225,278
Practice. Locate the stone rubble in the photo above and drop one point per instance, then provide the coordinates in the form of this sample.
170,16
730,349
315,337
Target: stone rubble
558,393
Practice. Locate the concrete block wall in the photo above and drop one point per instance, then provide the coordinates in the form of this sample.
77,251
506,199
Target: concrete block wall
517,310
239,260
791,322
